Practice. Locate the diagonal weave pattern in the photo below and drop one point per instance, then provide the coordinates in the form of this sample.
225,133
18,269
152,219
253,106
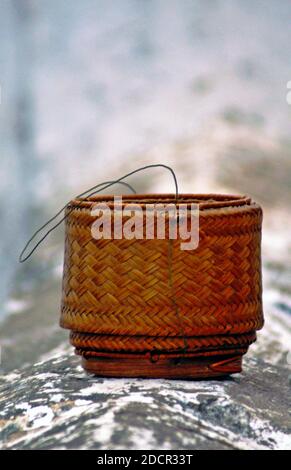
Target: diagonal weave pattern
117,295
90,342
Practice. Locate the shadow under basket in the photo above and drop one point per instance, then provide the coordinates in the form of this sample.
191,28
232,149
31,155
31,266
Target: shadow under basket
147,308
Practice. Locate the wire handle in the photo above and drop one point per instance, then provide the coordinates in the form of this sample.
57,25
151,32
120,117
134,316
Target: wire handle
91,191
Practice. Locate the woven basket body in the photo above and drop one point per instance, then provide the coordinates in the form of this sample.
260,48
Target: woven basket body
147,308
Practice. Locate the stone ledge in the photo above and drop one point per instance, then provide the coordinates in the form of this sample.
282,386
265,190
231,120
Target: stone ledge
56,405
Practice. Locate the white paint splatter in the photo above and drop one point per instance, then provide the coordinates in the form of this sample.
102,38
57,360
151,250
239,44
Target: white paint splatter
39,416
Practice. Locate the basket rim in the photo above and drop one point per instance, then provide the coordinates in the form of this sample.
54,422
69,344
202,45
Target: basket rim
205,201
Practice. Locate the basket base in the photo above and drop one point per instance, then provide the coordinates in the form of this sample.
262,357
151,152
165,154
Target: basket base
165,366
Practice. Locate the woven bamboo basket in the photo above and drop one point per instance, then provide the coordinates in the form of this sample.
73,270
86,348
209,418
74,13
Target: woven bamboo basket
146,308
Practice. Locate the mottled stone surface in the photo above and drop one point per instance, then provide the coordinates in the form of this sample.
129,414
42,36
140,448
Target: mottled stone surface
56,405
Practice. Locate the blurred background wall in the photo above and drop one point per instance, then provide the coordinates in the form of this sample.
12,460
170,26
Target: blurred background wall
92,89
